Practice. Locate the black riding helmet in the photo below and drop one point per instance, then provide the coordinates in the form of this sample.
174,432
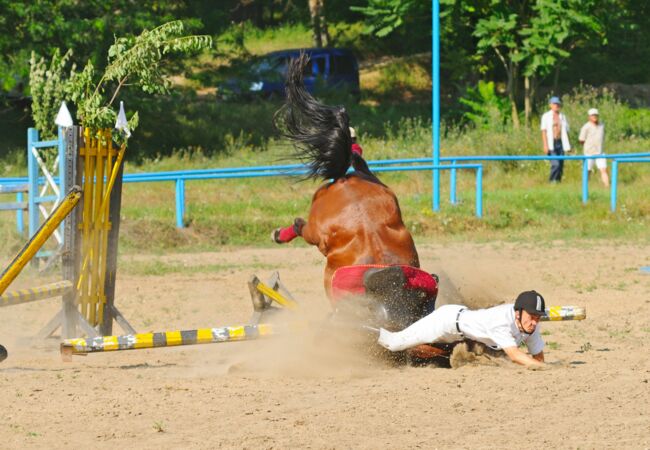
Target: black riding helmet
532,302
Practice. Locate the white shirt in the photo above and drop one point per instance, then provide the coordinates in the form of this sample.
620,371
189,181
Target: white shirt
547,125
593,136
496,327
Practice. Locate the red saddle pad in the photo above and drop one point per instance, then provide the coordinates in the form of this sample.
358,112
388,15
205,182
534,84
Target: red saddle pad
348,280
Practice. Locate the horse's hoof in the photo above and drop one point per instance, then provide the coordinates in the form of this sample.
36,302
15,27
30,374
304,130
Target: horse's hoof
275,236
3,353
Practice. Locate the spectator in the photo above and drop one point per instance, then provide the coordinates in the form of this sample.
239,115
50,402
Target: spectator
592,137
555,137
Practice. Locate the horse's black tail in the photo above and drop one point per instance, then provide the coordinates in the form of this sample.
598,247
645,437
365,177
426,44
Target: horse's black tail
320,133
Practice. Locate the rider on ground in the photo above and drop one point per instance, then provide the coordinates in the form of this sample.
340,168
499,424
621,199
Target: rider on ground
502,327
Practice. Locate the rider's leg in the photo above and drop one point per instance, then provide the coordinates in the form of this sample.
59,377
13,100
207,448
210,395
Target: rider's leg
439,326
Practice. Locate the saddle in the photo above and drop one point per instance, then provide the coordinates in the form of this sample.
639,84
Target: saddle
394,295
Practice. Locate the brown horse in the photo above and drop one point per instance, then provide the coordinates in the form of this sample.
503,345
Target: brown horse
354,219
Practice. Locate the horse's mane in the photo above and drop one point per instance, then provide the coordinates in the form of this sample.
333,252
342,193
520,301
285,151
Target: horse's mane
320,133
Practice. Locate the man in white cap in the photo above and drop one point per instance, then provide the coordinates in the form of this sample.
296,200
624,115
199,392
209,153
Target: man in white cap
592,137
502,327
555,137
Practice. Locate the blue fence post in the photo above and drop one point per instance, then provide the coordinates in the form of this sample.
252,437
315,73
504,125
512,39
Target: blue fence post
435,103
32,173
479,192
180,203
20,224
452,184
614,187
585,180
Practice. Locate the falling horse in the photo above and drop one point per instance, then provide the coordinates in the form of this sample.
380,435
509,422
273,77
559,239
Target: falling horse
355,219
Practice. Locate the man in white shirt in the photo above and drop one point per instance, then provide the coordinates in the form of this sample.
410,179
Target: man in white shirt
592,137
555,137
501,327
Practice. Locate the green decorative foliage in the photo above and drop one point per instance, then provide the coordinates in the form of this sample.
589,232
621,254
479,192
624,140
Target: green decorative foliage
47,90
137,60
134,61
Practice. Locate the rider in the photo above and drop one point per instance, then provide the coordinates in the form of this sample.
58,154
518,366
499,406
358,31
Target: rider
502,327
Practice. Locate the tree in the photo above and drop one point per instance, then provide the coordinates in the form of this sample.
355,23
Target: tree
498,32
318,23
556,29
383,17
88,28
532,39
136,60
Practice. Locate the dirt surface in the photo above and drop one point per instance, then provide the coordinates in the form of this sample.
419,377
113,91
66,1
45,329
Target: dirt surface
310,391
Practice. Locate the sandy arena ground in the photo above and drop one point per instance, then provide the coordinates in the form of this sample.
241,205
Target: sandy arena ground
308,392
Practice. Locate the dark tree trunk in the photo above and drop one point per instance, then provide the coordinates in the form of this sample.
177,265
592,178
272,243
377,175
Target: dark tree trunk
318,23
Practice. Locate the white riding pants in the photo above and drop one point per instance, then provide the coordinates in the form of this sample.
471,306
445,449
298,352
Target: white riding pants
439,326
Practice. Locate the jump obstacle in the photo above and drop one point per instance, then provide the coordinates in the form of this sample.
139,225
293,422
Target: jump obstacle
20,205
88,242
267,298
89,253
263,296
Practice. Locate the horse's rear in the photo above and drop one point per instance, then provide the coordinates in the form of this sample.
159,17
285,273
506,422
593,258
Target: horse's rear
355,220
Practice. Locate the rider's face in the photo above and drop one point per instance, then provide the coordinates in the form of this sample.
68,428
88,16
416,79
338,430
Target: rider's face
529,321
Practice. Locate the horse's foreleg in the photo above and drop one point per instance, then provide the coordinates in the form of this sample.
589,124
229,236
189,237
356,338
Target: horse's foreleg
288,234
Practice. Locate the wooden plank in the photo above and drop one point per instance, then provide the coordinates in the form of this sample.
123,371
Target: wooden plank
34,294
168,339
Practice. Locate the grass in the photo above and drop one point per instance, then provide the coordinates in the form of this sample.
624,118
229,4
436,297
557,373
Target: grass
519,204
261,41
392,121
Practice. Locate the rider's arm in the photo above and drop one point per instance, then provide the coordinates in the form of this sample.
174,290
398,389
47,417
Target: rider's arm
519,357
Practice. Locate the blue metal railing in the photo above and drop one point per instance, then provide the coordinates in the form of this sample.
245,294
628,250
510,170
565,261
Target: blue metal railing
613,192
394,165
180,179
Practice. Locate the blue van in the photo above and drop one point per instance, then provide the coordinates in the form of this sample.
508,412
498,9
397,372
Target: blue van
328,68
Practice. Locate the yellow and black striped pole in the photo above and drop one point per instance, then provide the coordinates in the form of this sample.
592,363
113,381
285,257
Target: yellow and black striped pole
40,237
33,294
83,346
557,313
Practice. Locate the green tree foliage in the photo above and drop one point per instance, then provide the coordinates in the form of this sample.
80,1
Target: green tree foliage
47,90
87,27
531,39
407,22
556,29
485,109
497,32
136,60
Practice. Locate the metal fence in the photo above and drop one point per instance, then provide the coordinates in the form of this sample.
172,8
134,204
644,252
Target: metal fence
451,163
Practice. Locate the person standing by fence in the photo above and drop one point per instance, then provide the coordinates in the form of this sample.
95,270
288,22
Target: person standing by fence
555,137
592,137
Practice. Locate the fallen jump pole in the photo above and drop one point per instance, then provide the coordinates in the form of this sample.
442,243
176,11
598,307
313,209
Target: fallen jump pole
40,237
83,346
556,313
34,294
